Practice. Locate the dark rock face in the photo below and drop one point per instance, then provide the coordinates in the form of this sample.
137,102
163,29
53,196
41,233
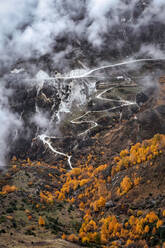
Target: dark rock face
48,98
32,101
161,113
152,121
149,123
128,111
23,100
27,101
161,110
141,98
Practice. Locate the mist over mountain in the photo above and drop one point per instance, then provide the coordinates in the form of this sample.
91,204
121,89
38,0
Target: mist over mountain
58,29
82,123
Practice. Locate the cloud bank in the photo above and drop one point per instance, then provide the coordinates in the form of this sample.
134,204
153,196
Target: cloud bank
9,125
32,28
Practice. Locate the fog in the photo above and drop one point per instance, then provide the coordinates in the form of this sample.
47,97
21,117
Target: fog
32,28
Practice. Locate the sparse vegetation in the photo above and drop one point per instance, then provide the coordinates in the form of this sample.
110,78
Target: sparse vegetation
86,194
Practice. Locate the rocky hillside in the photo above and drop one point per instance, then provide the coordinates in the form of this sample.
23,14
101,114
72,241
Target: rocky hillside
113,197
82,124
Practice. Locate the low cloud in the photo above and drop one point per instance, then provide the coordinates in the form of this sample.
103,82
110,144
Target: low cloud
41,120
9,125
32,28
